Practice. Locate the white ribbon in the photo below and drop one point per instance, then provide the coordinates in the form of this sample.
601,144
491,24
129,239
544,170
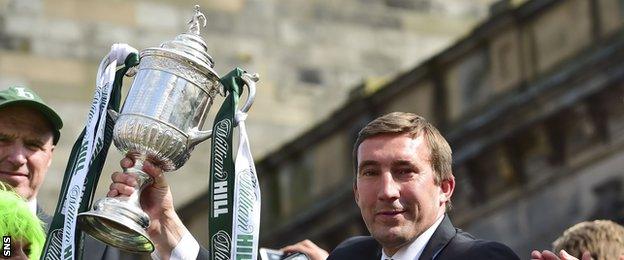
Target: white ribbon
94,134
246,222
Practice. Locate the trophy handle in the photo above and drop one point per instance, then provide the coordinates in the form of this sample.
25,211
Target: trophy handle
250,81
132,71
197,136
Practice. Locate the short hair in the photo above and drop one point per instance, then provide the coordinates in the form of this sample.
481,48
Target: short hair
604,239
17,221
398,123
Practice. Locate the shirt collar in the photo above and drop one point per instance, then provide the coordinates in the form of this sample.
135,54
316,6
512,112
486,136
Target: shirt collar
32,205
414,249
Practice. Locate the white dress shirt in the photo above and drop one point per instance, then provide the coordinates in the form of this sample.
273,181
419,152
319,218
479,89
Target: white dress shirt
32,206
413,250
187,248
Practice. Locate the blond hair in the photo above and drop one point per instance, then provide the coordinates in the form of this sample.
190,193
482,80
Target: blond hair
604,239
17,221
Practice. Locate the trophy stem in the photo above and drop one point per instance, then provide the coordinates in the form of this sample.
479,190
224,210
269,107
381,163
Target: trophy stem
120,221
143,179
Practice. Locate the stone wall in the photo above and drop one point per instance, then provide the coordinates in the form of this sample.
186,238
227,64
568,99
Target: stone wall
308,53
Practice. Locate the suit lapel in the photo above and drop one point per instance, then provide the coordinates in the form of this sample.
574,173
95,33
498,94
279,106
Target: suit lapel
379,248
440,238
368,249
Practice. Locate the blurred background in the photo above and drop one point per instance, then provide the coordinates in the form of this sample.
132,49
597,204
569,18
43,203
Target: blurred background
530,94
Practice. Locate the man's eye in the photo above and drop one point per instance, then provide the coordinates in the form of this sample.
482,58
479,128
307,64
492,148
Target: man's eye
405,172
34,146
368,172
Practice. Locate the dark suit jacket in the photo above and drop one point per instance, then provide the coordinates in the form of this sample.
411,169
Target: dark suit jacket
447,242
203,254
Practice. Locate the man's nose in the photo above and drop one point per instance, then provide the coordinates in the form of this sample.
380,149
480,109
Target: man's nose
17,154
389,189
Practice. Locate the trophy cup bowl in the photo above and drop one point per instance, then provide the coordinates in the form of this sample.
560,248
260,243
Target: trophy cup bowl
160,122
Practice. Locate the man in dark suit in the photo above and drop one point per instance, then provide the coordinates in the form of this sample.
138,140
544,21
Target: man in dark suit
447,242
403,187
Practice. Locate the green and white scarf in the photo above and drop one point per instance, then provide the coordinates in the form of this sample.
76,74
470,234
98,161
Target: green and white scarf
234,219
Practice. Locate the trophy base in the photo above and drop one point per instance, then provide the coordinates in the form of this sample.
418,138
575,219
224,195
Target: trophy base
118,224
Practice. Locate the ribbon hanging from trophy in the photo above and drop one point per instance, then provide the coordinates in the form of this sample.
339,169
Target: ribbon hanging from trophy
88,156
246,226
234,221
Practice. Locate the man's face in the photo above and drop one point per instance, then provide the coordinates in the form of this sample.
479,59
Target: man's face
395,189
25,149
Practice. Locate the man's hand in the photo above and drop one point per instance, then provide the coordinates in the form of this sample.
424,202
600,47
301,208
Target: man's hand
563,255
166,228
307,247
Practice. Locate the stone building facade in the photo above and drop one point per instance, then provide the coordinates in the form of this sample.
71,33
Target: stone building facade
532,102
309,55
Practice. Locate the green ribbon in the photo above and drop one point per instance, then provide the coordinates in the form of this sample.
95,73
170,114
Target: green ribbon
222,179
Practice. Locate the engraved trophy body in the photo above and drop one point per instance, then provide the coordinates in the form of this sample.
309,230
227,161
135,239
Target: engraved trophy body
160,122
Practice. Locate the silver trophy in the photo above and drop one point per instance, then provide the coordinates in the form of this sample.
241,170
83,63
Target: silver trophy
160,122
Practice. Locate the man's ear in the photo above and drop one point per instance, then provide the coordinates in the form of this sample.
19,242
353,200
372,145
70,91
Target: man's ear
355,193
446,189
51,156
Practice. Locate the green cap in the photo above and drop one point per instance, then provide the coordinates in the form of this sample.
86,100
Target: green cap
25,96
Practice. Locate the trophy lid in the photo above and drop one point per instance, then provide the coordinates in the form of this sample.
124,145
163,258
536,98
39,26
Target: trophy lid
190,44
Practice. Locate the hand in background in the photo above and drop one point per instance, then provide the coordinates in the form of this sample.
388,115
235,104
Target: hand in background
563,255
307,247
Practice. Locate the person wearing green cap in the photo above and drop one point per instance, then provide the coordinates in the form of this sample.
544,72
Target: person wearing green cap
29,130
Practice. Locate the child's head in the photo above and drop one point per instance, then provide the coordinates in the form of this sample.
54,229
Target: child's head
22,225
604,239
